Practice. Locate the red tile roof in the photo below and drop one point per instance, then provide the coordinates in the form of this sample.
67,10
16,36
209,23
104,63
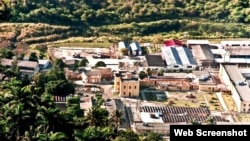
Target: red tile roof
172,42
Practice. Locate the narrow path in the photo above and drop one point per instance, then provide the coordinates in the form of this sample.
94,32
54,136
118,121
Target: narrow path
206,100
223,104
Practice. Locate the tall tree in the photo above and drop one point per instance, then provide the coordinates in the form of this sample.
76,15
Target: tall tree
100,64
97,116
60,87
73,106
6,53
129,135
83,62
142,74
59,64
116,120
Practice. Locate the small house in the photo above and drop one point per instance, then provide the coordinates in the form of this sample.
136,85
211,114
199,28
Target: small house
135,49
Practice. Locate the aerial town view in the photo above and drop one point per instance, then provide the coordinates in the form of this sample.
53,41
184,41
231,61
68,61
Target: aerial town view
121,70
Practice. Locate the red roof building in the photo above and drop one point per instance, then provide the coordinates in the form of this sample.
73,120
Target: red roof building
173,43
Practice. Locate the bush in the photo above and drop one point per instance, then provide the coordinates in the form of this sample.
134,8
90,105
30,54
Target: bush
214,98
191,96
170,103
211,101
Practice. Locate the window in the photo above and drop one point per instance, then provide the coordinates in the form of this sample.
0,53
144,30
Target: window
176,66
244,110
189,66
235,44
124,87
244,105
124,93
129,87
135,87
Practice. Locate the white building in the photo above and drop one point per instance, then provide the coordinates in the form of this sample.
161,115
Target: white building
178,58
234,52
135,49
123,44
197,42
28,68
226,44
233,78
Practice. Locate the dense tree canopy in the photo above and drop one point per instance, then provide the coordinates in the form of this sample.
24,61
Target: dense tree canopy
99,12
123,18
29,113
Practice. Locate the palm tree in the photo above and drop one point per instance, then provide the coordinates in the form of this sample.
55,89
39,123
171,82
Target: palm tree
93,133
52,136
97,116
39,79
130,135
116,119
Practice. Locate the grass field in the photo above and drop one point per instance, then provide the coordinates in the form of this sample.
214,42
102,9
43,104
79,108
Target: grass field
229,102
178,99
200,99
88,45
214,103
243,117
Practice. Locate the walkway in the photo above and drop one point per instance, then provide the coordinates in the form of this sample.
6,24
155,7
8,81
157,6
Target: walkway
206,100
223,104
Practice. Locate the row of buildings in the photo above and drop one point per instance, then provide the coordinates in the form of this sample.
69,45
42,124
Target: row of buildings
229,58
196,54
26,67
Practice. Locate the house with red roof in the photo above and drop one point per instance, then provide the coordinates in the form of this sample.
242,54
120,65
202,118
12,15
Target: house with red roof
173,43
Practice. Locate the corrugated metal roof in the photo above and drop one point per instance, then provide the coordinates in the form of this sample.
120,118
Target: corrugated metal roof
235,76
171,56
199,42
180,56
123,45
135,46
21,63
171,43
183,56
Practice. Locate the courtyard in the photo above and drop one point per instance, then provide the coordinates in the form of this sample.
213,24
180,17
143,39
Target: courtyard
183,99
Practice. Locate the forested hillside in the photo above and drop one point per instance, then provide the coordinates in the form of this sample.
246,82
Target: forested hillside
200,18
105,12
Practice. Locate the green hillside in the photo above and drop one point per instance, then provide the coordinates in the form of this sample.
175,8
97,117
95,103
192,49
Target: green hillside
62,19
